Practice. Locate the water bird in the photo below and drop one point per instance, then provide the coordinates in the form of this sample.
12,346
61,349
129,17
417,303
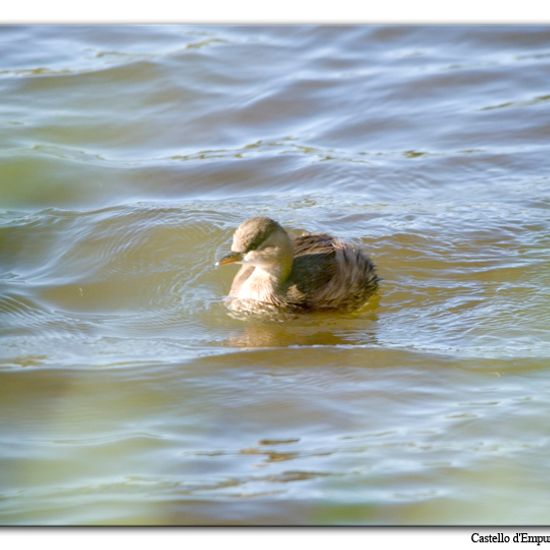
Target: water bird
312,272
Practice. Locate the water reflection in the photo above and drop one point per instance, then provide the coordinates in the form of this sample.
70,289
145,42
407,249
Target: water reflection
318,329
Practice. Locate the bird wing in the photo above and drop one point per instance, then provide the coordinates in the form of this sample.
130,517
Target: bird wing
314,266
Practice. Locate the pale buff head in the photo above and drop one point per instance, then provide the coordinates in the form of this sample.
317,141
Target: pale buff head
263,243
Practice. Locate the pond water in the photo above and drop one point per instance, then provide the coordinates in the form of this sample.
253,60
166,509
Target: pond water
128,156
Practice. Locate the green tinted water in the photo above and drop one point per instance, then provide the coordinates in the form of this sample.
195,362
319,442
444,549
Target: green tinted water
128,156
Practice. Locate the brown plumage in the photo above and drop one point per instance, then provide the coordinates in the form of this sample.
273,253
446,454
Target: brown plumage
312,272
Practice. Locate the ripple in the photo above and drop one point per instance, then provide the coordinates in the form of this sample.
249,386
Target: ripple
129,156
22,315
515,104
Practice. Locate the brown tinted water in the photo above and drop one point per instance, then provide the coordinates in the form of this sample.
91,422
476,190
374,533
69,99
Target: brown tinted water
129,154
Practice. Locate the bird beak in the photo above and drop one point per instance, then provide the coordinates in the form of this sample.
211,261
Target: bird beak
231,258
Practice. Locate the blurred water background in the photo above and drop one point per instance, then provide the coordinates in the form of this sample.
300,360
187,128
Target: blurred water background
128,155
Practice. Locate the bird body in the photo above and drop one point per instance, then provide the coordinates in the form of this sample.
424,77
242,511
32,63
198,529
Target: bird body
312,272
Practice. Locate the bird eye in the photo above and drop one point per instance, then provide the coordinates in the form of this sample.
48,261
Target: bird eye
255,246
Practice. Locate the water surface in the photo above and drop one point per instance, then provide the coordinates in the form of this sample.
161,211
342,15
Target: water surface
128,155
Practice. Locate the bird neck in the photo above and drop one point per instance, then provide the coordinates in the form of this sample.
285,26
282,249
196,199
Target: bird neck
280,270
274,275
261,286
269,279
